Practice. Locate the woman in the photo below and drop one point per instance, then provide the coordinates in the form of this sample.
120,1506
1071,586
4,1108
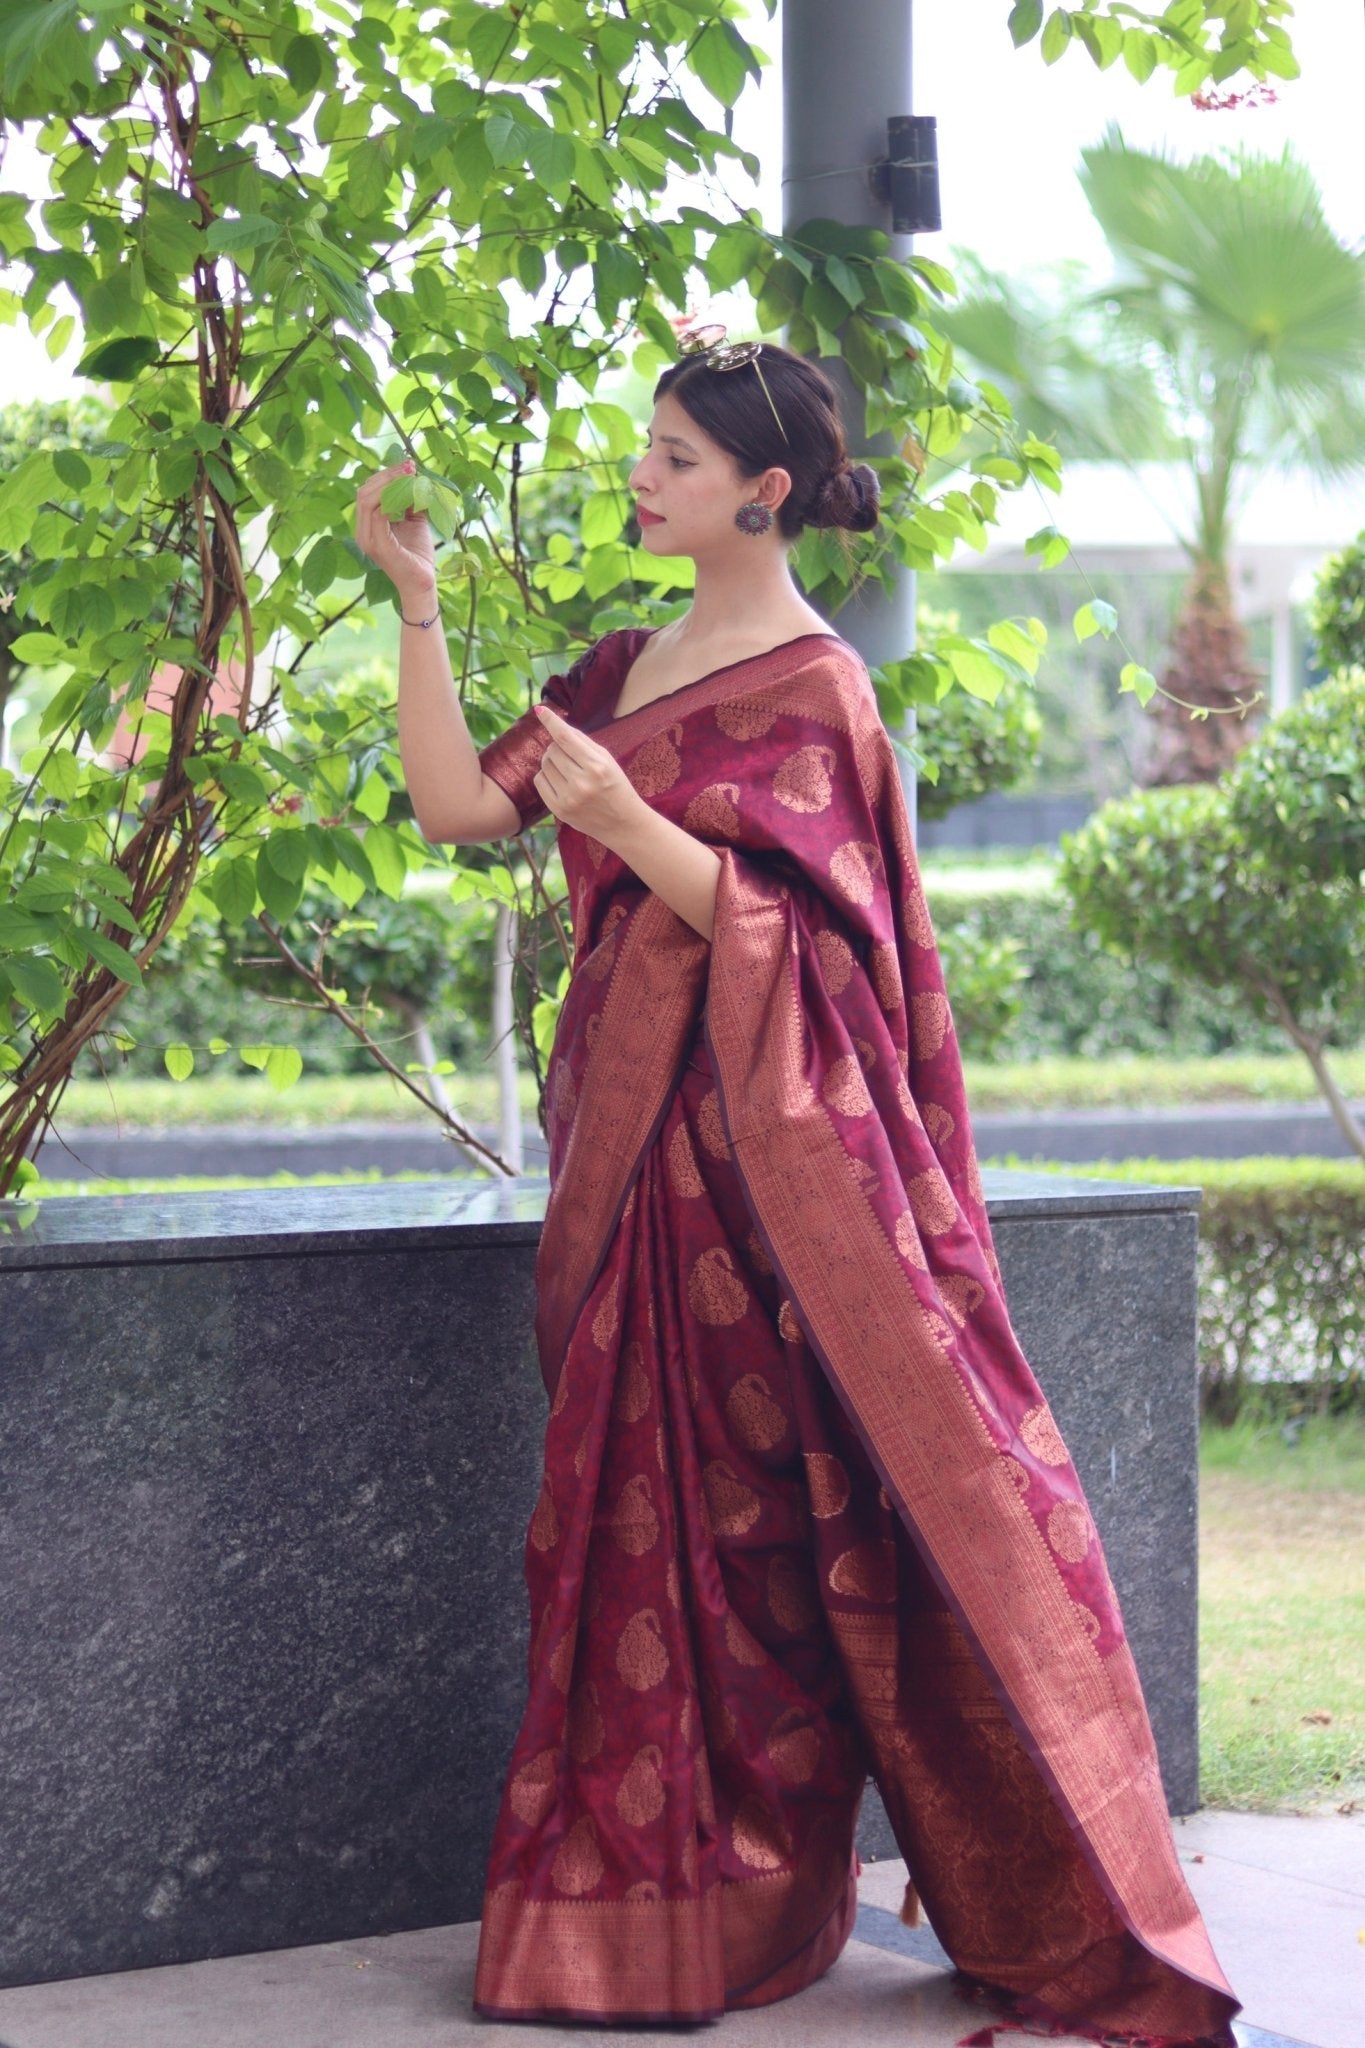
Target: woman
805,1515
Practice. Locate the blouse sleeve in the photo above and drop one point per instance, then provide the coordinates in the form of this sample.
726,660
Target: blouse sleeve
512,760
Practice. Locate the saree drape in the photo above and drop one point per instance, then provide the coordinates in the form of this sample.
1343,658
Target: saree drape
805,1514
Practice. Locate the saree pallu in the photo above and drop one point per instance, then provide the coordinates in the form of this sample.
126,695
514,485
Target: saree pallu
805,1516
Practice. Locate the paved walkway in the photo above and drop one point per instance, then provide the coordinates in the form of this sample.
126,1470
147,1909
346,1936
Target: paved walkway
1283,1896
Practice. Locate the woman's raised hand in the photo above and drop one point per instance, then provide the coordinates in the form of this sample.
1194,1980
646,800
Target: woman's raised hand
402,548
583,784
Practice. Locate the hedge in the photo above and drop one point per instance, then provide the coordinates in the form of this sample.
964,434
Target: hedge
1281,1276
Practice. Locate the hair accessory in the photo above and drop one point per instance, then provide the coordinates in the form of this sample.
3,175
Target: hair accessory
720,354
753,517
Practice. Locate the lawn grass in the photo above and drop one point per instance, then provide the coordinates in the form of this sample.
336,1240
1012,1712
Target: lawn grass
242,1098
1282,1615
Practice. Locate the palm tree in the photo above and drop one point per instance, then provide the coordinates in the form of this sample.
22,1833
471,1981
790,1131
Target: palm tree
1231,338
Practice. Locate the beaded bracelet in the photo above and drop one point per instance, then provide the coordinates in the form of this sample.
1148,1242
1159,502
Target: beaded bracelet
421,622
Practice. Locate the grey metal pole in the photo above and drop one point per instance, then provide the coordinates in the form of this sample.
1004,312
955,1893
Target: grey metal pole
846,69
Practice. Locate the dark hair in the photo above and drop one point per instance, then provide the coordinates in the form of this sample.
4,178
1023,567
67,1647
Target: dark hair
729,405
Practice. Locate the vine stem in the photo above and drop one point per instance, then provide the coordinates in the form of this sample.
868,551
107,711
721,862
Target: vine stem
473,1147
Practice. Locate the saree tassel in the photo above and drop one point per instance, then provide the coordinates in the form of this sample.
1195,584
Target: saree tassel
910,1908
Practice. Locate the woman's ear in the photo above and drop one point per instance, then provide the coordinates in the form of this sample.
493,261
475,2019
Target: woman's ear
773,487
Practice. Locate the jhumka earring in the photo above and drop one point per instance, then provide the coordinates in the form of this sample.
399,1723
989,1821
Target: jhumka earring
753,517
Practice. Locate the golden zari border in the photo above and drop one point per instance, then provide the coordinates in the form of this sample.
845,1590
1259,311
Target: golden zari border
664,1959
1082,1716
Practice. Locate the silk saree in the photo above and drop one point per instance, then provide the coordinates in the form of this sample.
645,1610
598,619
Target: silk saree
805,1515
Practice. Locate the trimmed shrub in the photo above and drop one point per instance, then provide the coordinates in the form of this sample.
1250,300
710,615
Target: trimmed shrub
1281,1277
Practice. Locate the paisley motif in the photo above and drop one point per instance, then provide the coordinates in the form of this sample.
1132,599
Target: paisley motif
656,765
710,1127
908,1241
733,1506
641,1653
793,1747
917,919
746,718
930,1014
787,1326
886,978
853,866
634,1525
633,1391
755,1419
938,1122
1068,1530
932,1202
827,1483
578,1865
604,1322
1040,1434
836,961
844,1088
754,1246
759,1838
802,782
640,1794
866,1572
961,1296
531,1793
714,812
714,1289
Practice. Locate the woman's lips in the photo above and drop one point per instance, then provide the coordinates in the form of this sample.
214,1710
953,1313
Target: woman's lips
646,517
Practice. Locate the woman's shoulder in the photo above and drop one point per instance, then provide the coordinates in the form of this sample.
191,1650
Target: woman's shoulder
598,667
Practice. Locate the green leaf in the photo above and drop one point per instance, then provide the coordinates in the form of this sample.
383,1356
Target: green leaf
280,895
287,852
37,650
722,60
121,360
243,783
37,983
603,518
1139,53
60,775
179,1062
388,862
367,176
302,62
72,467
255,1056
248,231
1056,35
1140,682
551,158
1095,617
116,958
232,886
1025,20
283,1067
372,797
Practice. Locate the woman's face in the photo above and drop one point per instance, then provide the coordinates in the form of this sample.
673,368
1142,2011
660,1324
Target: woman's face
688,490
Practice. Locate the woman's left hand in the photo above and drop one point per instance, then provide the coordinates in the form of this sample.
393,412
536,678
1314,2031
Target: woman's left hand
582,784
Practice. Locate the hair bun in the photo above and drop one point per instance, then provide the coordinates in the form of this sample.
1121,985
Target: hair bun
848,497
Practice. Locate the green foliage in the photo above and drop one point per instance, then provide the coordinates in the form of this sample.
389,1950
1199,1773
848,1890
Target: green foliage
1168,876
1298,795
975,744
985,976
1077,999
1282,1274
1202,42
1336,616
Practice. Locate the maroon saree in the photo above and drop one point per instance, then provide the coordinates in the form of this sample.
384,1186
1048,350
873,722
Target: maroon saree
805,1515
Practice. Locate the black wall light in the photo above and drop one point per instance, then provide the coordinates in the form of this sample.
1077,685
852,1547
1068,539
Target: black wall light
906,178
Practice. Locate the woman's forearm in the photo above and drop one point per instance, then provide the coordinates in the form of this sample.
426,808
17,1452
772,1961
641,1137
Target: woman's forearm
668,860
440,763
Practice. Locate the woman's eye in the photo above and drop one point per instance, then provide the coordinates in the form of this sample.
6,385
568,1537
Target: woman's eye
678,463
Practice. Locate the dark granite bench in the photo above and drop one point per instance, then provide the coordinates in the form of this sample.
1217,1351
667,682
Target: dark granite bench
266,1461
